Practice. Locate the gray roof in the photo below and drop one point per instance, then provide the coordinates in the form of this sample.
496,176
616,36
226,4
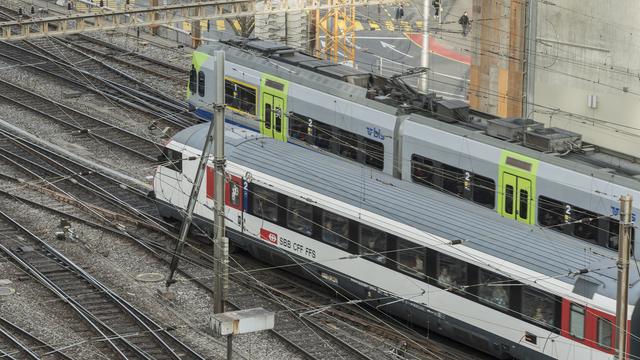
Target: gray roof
542,250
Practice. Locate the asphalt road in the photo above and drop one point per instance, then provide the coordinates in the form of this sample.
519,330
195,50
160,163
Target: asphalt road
392,53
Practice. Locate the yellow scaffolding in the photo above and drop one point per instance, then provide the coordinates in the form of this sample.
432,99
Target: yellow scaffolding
335,35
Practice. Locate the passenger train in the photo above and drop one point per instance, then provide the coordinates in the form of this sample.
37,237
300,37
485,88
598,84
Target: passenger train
417,253
524,172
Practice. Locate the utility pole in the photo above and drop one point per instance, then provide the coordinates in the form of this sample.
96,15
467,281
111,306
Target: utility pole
424,58
220,242
200,171
624,246
529,56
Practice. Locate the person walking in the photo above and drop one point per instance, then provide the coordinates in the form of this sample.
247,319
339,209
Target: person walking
465,22
399,13
436,6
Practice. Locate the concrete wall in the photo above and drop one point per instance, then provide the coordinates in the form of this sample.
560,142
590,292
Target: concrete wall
590,47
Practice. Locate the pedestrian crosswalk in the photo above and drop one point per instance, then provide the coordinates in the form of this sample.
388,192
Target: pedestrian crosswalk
359,25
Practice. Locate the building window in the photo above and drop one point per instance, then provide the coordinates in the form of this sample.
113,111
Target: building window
539,307
451,272
264,204
299,216
193,80
240,97
605,333
373,244
484,191
335,230
576,324
171,159
494,289
411,258
201,83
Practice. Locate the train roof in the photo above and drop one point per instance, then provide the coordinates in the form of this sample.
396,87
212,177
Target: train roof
545,251
608,167
351,84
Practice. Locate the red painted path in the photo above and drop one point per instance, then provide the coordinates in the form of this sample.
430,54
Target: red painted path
439,49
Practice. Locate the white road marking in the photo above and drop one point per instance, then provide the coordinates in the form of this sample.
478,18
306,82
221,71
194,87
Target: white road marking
393,47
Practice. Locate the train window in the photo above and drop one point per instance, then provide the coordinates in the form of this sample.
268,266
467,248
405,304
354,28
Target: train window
605,333
171,159
267,116
374,153
508,200
299,127
484,191
587,227
201,83
539,307
493,288
422,170
451,272
551,213
373,244
323,136
299,216
576,324
240,97
453,179
193,80
234,194
613,235
278,116
524,204
335,230
411,258
264,203
347,144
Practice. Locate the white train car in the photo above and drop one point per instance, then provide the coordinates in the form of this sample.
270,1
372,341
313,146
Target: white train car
439,262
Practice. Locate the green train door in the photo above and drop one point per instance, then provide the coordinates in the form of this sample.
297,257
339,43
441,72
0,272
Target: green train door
517,182
517,201
273,107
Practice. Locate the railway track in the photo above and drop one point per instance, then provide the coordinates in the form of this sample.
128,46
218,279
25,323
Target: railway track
17,343
83,123
135,61
76,180
335,333
54,58
124,331
307,337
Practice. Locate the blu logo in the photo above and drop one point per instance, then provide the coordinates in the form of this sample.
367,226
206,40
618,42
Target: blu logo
375,133
615,211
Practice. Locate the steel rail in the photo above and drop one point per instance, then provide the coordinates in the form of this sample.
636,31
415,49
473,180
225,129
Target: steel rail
77,180
84,123
166,109
47,349
54,262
